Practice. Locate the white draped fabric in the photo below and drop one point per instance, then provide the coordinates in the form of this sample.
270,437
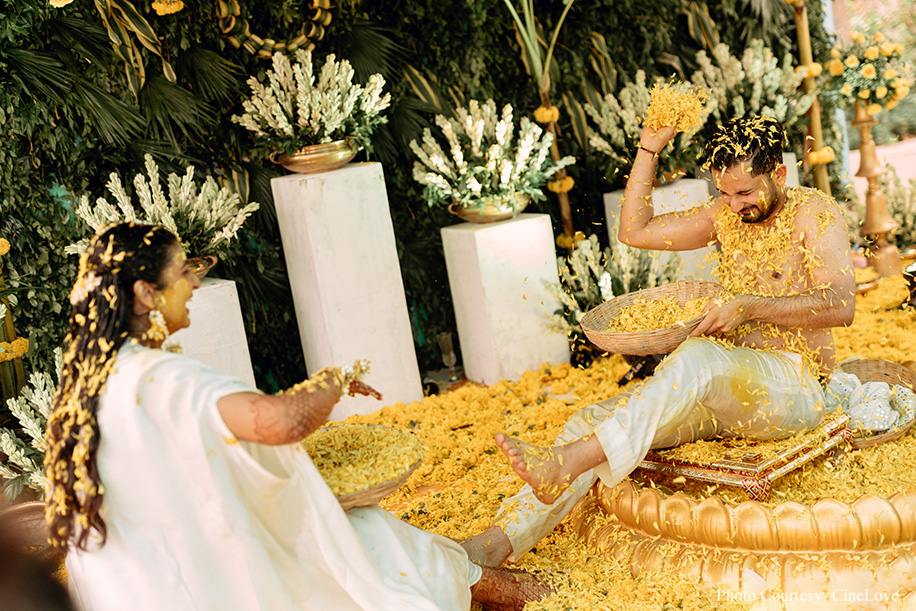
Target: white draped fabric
199,520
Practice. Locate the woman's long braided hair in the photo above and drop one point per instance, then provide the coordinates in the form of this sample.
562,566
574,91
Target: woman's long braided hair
102,299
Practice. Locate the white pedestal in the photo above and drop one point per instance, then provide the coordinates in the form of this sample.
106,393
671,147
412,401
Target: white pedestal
217,332
683,194
497,274
346,281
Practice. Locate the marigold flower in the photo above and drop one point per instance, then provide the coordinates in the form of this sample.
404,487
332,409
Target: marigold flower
901,92
59,3
835,67
847,89
890,73
814,69
858,37
865,94
878,37
887,48
872,52
542,114
873,109
881,91
868,71
835,53
167,7
898,47
4,246
890,105
852,61
561,186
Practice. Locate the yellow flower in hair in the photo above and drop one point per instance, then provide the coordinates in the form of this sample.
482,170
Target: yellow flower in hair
868,71
887,48
836,67
847,89
873,109
872,52
852,61
865,94
4,246
881,91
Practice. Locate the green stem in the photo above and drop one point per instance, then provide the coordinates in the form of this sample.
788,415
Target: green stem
529,44
553,41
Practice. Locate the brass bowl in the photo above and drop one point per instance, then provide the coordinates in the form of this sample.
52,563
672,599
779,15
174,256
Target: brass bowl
494,209
318,157
201,265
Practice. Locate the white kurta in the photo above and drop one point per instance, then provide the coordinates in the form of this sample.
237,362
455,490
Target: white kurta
199,520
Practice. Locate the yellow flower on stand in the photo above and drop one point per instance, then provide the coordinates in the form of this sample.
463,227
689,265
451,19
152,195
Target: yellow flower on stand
847,89
4,246
814,70
852,61
835,53
873,109
890,73
868,71
881,91
872,52
13,350
865,94
167,7
542,114
835,67
890,105
888,48
561,186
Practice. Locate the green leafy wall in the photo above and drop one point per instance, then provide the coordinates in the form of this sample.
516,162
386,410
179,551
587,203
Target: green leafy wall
69,119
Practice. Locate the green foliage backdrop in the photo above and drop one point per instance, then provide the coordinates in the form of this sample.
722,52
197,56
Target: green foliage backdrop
70,118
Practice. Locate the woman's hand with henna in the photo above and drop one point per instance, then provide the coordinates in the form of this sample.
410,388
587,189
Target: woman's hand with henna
358,387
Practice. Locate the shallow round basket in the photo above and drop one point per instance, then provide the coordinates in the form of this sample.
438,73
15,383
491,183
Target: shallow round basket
374,494
879,370
660,341
371,496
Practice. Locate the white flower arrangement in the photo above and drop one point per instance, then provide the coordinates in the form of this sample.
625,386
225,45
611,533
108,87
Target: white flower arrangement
485,159
590,276
757,84
205,219
24,465
619,122
294,111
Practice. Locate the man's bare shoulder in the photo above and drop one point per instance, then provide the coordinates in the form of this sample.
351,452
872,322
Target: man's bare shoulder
815,206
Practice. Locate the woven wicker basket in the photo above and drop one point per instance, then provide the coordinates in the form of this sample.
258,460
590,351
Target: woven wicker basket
879,370
660,341
371,496
374,494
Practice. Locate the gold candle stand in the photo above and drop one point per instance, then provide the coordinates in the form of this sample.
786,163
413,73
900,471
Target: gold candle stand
882,255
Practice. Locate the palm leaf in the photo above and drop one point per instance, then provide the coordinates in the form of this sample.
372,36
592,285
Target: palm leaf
577,119
79,38
39,72
168,106
116,122
369,47
211,75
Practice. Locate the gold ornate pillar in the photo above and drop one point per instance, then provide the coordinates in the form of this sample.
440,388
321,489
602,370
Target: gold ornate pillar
882,255
821,179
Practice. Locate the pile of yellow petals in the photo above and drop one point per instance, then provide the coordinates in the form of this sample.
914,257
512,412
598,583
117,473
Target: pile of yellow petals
656,314
457,490
678,105
14,349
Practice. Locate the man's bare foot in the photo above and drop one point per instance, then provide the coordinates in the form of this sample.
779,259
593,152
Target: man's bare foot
489,548
507,589
541,468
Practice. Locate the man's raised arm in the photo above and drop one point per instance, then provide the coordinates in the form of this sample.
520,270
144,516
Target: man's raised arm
639,226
